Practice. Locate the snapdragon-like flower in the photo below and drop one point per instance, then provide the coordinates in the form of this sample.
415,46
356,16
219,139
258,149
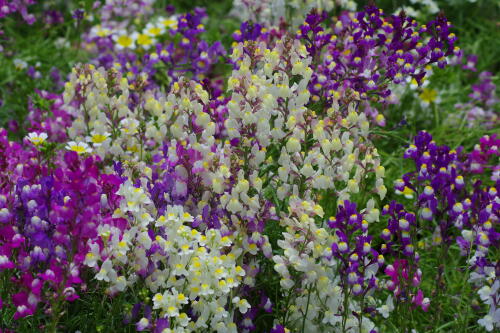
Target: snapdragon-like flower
37,138
78,147
319,270
404,273
8,7
363,55
48,114
58,211
271,13
189,274
166,46
480,109
359,263
461,206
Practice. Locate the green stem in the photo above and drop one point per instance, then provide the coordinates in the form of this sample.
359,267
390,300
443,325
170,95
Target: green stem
307,308
464,282
345,310
361,313
436,114
440,286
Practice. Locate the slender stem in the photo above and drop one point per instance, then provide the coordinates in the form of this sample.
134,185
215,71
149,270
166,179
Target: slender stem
436,114
464,282
307,307
361,313
345,310
440,286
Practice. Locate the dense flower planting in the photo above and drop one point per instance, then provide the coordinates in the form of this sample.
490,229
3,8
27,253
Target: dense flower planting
189,184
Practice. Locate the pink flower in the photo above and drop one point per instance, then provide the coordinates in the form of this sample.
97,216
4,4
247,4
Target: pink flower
420,301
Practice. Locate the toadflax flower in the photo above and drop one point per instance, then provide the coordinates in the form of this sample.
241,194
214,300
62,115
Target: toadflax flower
78,147
37,138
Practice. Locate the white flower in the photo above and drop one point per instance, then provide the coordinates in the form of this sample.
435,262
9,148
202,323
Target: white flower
78,147
486,322
484,293
37,138
242,304
97,139
124,40
92,257
154,30
172,311
106,269
145,240
234,206
142,324
20,64
169,22
387,308
183,319
143,40
119,285
293,145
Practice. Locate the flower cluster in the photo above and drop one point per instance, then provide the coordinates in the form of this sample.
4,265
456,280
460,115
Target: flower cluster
274,12
202,191
47,114
328,275
106,117
190,274
480,238
400,240
480,109
438,183
362,55
420,8
164,49
8,7
460,206
48,213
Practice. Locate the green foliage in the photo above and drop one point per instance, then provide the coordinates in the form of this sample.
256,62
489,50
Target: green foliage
476,24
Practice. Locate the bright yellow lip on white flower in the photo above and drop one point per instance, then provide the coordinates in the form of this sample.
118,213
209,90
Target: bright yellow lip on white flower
123,40
78,147
428,95
97,138
102,32
153,30
144,40
37,138
170,23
